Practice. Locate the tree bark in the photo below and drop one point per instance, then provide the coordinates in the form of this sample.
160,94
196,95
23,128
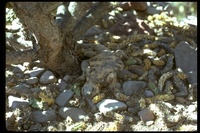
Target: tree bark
55,45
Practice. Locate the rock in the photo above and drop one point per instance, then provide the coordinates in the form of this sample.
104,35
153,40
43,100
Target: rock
118,85
20,75
47,78
19,69
32,80
133,110
148,93
16,102
37,72
186,60
23,88
43,116
62,83
67,78
76,114
64,97
146,115
35,90
111,105
131,87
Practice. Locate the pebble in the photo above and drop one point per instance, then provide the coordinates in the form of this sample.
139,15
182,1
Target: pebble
131,87
67,78
32,80
23,88
62,83
47,78
37,72
63,98
148,93
186,60
133,110
16,102
111,105
146,115
43,116
76,114
17,70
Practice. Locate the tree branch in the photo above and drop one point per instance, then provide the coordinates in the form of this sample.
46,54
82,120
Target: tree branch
90,18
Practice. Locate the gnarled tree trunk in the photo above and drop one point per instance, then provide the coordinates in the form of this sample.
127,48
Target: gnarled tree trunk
56,46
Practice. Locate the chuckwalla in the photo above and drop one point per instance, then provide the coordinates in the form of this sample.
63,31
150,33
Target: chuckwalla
100,71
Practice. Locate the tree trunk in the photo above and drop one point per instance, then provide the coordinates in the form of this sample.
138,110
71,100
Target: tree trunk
56,45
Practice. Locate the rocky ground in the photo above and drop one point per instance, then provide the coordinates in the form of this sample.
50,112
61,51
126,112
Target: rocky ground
159,80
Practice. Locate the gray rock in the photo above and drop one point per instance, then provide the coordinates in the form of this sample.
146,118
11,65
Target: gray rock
62,83
146,115
131,87
20,75
47,78
118,85
43,116
35,90
76,114
186,60
67,78
111,105
37,72
23,88
32,80
19,68
148,93
15,102
64,97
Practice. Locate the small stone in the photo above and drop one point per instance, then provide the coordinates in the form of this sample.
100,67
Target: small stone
133,110
19,68
62,83
131,87
23,88
111,105
63,98
37,72
76,114
148,93
15,102
146,115
43,116
47,78
67,78
32,80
